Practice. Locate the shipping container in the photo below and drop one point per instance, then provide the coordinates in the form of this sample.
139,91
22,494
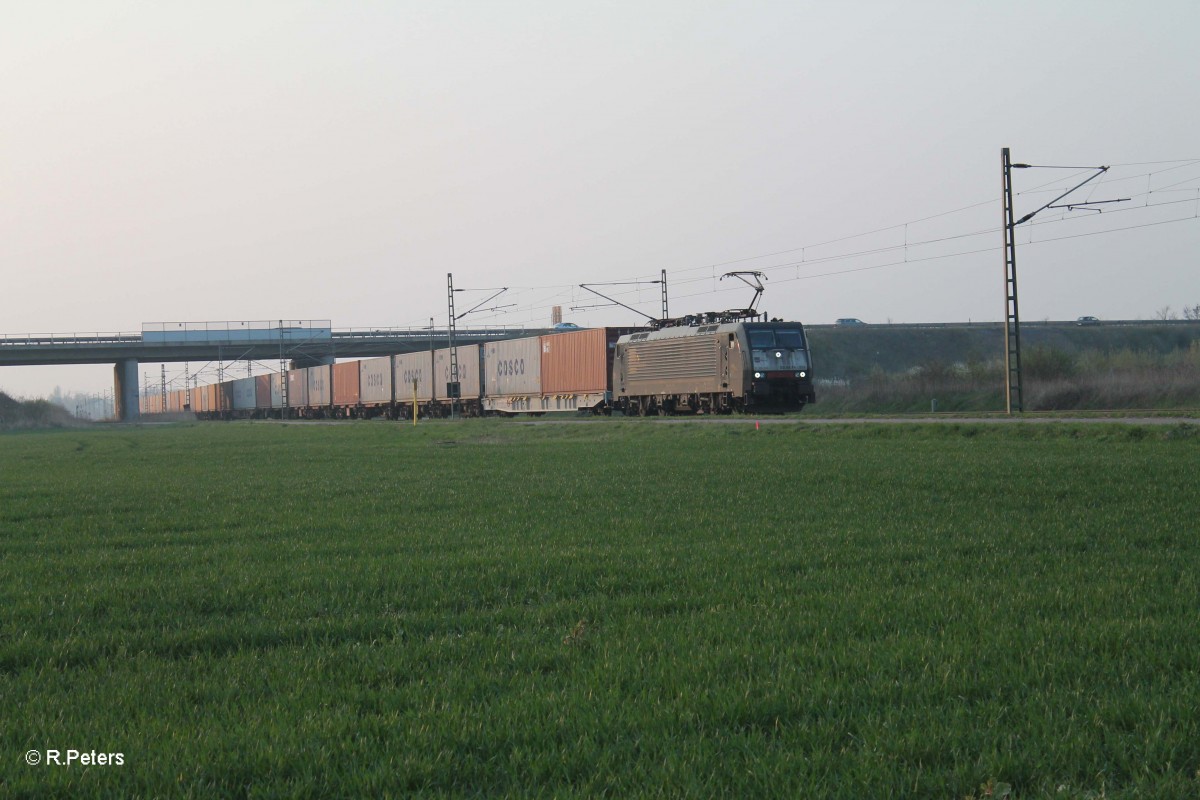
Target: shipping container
223,397
577,369
297,388
277,382
512,375
320,386
209,394
375,381
410,368
346,384
469,371
262,391
244,394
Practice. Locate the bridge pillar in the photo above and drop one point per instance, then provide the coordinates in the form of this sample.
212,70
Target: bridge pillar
126,390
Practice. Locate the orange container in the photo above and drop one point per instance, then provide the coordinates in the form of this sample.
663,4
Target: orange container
345,383
575,362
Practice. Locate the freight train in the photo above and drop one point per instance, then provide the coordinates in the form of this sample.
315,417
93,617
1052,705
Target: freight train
713,368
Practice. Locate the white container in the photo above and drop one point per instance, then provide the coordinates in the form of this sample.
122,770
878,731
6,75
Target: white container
410,367
375,381
320,385
512,374
469,371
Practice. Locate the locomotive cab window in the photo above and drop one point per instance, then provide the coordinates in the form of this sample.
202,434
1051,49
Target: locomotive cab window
761,339
777,350
784,338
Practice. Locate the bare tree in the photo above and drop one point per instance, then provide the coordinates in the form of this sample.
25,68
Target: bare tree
1165,314
1192,312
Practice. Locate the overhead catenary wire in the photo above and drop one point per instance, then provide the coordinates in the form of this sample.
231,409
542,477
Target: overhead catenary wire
684,275
912,261
989,201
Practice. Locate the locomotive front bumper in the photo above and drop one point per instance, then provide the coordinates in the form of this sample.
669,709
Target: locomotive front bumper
782,386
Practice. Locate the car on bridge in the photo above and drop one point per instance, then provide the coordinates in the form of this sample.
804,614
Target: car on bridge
1087,321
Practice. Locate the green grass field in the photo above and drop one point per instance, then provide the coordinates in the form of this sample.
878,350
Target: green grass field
613,608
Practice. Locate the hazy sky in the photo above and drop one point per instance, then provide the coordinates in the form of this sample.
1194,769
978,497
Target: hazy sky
303,160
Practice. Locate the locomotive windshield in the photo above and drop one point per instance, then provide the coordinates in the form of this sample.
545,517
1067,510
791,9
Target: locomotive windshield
777,349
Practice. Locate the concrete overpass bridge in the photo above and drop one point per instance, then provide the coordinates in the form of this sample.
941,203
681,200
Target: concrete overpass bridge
302,343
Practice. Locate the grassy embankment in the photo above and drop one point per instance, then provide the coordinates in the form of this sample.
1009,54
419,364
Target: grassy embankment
1064,369
24,414
619,607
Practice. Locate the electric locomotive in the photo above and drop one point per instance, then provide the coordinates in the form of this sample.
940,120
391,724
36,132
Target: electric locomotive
714,368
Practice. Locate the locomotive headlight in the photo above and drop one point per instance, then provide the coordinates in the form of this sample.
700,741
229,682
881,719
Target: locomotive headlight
778,354
800,375
758,374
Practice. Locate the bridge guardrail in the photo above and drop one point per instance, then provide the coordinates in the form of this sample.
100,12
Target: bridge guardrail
388,333
68,338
